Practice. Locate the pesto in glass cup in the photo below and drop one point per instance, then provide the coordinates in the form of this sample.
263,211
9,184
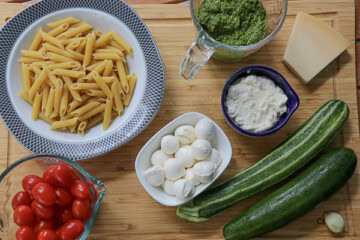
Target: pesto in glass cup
205,46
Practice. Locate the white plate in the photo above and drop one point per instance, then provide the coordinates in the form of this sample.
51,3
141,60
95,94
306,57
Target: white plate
143,162
146,63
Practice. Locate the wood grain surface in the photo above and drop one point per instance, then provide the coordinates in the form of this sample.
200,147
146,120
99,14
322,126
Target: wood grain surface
128,212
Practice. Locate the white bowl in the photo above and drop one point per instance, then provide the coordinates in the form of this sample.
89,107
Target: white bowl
219,142
145,62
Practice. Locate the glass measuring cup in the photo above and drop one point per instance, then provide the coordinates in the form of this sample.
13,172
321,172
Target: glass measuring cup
205,47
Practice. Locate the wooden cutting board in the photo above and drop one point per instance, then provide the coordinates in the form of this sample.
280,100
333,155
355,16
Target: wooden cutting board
128,212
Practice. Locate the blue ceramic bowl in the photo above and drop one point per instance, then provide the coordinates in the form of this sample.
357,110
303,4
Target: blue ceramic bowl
279,80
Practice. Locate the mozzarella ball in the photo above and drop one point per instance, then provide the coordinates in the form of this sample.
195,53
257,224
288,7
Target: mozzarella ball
155,175
183,189
158,158
190,176
185,134
205,129
168,187
215,157
204,170
169,144
174,169
200,149
184,154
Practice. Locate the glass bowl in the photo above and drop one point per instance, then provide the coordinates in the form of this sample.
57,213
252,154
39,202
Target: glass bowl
292,104
10,184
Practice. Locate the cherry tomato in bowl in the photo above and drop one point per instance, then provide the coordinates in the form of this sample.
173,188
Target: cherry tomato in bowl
21,198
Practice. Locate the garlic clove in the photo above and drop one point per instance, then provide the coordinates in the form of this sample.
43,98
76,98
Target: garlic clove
334,222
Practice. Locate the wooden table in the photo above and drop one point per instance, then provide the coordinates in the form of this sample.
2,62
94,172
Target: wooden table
128,212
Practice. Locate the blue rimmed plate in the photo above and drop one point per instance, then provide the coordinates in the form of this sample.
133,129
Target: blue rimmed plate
105,16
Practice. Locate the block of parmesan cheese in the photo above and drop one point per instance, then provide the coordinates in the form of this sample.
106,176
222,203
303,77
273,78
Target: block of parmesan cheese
313,44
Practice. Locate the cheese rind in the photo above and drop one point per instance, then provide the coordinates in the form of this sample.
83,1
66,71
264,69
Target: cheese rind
313,44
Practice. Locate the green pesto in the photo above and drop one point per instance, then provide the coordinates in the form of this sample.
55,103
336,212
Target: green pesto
233,22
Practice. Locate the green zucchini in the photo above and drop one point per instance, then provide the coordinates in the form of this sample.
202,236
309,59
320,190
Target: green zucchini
316,184
303,145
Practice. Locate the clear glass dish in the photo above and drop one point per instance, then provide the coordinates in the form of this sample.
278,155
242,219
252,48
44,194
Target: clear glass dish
205,47
10,184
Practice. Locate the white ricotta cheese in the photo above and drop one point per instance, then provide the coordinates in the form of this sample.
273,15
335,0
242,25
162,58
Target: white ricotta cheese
255,103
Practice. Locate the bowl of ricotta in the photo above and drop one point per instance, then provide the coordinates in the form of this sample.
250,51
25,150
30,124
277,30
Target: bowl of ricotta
183,159
258,101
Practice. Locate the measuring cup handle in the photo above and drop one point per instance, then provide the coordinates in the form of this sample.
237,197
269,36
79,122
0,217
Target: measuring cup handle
196,57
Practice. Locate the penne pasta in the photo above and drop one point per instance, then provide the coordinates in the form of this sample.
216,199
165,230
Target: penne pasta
64,101
37,84
52,77
40,64
105,56
53,49
45,95
50,102
102,84
74,31
122,43
121,91
107,113
116,45
117,100
58,95
103,40
99,69
54,41
122,76
97,33
59,58
108,80
27,60
109,49
81,46
93,112
68,73
129,95
46,119
63,65
59,29
25,77
95,93
70,40
36,106
84,109
74,104
96,99
75,55
94,120
36,42
34,54
64,123
75,94
85,86
69,20
73,45
89,49
93,66
25,96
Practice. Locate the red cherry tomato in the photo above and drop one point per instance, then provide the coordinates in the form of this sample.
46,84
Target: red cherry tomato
44,194
45,224
25,233
71,230
47,234
24,216
21,198
42,211
30,181
64,175
80,190
63,197
48,177
81,209
64,214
